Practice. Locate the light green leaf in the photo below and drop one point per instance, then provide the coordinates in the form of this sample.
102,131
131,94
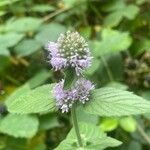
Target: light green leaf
4,51
113,19
128,124
39,100
22,89
24,24
117,85
131,11
114,102
7,2
19,125
112,41
109,124
50,32
90,134
119,11
10,39
42,8
95,65
27,47
39,78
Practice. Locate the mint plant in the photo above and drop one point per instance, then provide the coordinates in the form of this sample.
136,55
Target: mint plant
71,54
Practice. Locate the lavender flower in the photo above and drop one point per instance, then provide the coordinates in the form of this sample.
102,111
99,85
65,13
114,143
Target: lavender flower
70,50
80,92
83,87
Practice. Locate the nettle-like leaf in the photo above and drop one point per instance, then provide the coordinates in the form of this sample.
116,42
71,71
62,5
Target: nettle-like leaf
19,125
92,137
112,41
39,100
114,102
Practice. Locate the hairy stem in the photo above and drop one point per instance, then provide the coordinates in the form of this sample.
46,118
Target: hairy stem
107,68
75,125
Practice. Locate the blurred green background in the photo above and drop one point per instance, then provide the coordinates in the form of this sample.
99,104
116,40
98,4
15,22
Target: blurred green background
118,33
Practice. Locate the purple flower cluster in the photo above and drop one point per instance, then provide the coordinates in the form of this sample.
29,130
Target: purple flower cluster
80,92
70,50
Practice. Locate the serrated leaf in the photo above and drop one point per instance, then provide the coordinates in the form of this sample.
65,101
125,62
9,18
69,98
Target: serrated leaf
24,24
128,124
27,47
22,89
90,134
39,100
114,102
10,39
112,41
19,125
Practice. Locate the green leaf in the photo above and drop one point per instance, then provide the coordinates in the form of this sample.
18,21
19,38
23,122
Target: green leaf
48,121
140,46
95,65
19,125
39,100
114,102
117,85
4,51
27,47
10,39
109,124
50,32
131,11
22,89
119,10
39,78
112,41
128,124
92,137
24,24
42,8
7,2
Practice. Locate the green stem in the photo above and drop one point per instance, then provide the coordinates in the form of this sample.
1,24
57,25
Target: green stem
107,68
75,125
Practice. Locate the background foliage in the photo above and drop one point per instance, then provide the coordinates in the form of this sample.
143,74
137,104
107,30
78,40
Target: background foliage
118,32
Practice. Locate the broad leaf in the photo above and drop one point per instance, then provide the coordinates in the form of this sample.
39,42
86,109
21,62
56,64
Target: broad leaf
24,24
49,32
92,138
4,51
128,124
39,100
27,47
112,41
113,102
10,39
19,125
